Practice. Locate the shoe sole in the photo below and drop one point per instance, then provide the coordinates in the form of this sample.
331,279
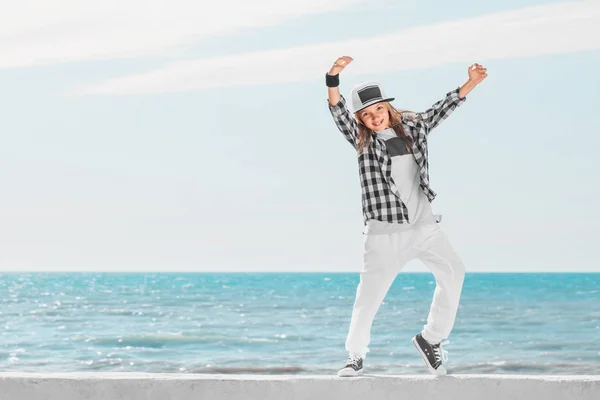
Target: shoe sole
349,372
429,367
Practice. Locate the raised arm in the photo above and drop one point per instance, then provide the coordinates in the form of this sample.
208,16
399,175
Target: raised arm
441,109
337,104
333,79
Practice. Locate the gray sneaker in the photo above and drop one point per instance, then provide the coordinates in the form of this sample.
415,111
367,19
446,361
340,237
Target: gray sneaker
433,354
353,367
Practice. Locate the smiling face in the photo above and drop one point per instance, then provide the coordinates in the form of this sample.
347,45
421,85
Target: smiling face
376,117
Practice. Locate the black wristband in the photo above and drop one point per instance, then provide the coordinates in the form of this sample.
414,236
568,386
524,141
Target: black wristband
332,80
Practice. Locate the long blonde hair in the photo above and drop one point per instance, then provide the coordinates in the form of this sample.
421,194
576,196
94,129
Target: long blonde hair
365,134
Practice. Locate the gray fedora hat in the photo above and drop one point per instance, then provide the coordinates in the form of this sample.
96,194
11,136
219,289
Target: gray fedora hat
366,94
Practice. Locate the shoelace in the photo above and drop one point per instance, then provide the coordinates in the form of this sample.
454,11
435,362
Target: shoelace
440,352
353,360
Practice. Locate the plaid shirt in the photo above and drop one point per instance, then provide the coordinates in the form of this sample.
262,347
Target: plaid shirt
380,196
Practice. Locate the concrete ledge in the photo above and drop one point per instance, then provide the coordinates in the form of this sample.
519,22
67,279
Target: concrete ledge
146,386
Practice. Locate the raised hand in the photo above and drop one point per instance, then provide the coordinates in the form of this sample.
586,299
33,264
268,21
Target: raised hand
477,73
339,65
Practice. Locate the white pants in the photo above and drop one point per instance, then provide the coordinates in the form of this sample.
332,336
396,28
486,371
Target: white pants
384,256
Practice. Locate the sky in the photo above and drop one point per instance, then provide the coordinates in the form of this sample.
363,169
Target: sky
195,136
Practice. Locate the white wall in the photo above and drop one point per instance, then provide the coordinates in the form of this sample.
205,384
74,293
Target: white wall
137,386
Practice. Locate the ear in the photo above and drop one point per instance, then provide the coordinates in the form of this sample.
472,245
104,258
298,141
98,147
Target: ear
357,118
390,108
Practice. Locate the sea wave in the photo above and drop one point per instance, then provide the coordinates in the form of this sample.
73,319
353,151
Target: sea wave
508,367
248,370
159,340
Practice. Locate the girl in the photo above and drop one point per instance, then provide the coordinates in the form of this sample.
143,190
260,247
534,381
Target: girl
399,223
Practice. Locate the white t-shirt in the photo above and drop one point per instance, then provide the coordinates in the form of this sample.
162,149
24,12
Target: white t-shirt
405,173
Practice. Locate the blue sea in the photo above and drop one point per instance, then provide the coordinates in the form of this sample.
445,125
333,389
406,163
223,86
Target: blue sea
290,323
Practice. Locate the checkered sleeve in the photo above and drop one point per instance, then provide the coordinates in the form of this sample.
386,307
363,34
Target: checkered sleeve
345,121
440,110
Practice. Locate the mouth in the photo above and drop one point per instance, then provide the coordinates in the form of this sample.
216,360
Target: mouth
378,123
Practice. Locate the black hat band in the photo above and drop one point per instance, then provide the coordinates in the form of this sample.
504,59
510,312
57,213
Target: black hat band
369,93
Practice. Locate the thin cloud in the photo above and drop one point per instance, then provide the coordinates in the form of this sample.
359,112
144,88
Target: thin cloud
34,32
532,31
